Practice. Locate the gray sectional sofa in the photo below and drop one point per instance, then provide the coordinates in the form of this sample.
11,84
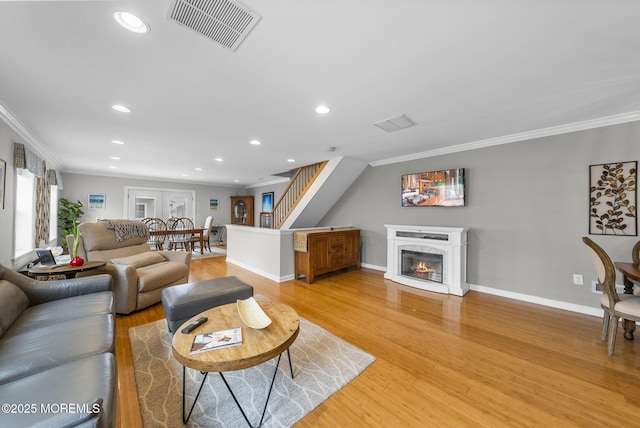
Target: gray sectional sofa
57,342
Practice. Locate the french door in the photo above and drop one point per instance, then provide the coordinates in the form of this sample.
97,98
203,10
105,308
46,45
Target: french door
160,203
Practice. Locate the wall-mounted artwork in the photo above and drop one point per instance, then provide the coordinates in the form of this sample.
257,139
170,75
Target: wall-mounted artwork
267,202
612,199
443,188
96,201
214,204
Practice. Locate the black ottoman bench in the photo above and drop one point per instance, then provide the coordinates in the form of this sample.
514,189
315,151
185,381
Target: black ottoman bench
182,302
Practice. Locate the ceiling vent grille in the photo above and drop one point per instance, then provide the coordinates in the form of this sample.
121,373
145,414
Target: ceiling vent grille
226,22
395,124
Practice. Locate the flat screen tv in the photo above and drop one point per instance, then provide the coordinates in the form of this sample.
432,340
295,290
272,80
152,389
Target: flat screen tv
444,188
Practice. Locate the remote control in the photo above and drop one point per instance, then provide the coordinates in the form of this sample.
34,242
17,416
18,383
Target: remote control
188,329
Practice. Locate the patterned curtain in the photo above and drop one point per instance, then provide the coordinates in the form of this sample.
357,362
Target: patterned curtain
43,200
26,159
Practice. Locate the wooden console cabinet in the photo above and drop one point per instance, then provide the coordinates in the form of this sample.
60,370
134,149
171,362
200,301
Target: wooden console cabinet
323,251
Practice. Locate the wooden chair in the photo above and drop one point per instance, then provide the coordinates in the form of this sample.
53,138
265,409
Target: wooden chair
181,239
615,306
158,226
635,253
206,234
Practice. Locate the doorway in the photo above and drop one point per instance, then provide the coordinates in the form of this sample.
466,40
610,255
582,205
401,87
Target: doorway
159,203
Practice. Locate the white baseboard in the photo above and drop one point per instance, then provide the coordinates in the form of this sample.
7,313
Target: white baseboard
587,310
260,272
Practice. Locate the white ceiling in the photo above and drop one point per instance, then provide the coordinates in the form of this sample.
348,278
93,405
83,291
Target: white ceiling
463,70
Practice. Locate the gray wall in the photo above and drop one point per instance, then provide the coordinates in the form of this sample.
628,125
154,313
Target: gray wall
527,207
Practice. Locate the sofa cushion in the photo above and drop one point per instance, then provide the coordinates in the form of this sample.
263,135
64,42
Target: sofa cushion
13,302
88,384
63,310
160,275
54,345
140,260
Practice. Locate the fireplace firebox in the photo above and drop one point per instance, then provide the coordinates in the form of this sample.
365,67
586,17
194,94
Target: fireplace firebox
425,266
430,258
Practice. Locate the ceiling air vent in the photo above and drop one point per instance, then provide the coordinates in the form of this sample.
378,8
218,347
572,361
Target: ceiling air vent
226,22
395,124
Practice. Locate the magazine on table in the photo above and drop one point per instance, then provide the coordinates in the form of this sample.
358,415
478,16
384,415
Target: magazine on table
216,340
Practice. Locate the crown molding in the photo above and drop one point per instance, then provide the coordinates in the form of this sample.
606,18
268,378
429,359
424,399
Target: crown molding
19,128
513,138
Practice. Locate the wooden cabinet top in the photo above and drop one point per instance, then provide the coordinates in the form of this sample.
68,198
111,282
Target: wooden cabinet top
300,238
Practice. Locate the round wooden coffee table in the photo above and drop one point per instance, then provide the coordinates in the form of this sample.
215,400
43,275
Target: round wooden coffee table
257,346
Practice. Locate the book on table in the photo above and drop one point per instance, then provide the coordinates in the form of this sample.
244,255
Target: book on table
216,340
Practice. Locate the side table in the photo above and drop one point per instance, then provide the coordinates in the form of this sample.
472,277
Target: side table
66,269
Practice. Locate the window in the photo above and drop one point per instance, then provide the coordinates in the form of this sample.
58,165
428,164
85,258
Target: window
53,215
25,211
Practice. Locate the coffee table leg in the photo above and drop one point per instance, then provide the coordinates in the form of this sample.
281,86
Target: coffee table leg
184,394
290,363
275,372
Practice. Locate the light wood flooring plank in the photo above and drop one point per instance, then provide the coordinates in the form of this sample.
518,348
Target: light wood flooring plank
478,360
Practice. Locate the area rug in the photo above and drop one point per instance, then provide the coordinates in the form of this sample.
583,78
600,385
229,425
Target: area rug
322,364
215,252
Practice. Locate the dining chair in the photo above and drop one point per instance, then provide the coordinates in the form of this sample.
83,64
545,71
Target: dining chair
615,306
206,234
158,226
635,253
181,239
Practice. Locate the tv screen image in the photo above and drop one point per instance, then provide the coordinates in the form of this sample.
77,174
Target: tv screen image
444,188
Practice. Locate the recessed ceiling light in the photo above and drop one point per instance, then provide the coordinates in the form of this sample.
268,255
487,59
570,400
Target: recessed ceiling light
236,181
219,159
255,142
131,22
185,175
115,158
113,167
198,169
291,160
117,142
121,108
322,109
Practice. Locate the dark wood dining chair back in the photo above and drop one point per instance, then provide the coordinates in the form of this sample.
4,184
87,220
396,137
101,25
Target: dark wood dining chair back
181,239
158,238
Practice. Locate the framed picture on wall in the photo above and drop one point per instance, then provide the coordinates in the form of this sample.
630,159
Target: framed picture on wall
96,201
612,199
267,202
3,178
214,204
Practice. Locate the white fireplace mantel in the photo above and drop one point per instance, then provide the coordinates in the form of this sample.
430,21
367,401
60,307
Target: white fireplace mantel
449,241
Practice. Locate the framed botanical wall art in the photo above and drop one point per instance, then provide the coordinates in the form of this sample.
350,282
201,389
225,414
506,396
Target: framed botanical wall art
613,199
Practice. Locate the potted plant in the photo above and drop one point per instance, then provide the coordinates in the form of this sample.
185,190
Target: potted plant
75,260
68,215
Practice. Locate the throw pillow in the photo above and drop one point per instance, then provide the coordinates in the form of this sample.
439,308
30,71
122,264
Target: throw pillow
140,260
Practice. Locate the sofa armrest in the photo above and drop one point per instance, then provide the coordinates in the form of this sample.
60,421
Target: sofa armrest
46,291
177,256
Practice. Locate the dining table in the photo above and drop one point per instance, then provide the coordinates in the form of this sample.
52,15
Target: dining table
630,276
198,230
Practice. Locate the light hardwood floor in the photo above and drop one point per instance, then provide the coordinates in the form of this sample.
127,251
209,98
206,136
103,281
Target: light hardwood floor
477,360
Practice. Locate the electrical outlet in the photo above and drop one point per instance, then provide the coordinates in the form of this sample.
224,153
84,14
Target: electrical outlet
577,279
